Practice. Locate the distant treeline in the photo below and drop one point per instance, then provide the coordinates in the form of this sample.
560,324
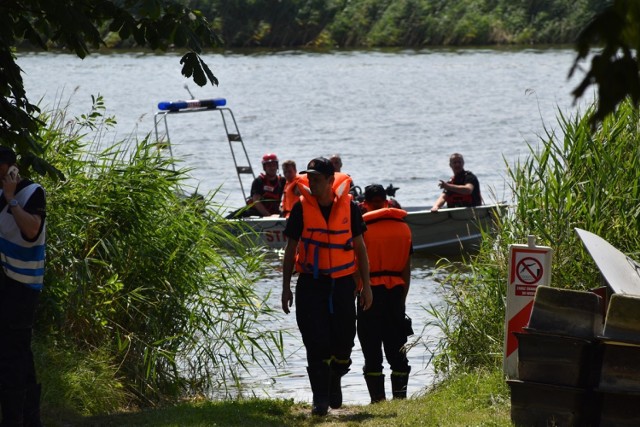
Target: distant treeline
400,23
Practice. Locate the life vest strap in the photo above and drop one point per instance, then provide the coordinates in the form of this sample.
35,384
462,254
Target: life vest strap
385,273
310,269
348,246
325,231
328,271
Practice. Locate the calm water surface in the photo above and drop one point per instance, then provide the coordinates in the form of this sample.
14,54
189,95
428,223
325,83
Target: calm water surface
395,117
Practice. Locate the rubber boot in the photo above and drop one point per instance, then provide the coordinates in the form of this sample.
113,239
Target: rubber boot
399,382
319,379
335,388
375,384
12,403
32,406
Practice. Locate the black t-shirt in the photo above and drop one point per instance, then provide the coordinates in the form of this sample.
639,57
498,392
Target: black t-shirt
467,177
276,188
293,229
278,183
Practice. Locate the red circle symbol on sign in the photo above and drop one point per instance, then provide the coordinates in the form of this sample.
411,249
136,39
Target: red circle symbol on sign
529,270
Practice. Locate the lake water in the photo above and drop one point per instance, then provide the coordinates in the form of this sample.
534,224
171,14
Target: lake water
394,116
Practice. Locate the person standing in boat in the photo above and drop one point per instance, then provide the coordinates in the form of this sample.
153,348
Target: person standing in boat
291,194
389,248
325,247
462,190
266,189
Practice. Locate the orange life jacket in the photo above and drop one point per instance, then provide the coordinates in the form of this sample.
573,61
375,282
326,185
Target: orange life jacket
289,197
326,248
388,241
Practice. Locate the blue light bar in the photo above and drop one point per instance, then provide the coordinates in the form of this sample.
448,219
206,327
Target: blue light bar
192,103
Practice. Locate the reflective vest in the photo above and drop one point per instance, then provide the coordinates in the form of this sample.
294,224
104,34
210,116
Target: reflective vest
326,247
388,241
21,260
457,200
289,197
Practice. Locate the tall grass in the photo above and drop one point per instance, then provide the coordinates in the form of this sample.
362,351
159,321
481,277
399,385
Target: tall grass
154,281
574,178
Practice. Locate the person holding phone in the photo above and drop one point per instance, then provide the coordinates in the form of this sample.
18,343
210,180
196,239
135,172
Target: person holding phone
22,251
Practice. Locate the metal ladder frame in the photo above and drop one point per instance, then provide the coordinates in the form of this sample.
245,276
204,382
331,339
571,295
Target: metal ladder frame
234,139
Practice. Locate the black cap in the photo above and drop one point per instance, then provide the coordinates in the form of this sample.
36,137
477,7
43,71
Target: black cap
320,165
374,190
7,155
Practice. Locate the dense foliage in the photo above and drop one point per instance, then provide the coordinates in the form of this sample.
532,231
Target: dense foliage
614,24
153,282
575,178
405,23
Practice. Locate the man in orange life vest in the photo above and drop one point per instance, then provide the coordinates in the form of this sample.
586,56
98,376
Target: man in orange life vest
462,190
326,247
291,194
389,248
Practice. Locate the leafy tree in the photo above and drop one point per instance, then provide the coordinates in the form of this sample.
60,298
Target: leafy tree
615,69
267,23
80,25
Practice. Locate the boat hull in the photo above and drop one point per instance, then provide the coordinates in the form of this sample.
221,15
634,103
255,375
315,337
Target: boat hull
447,232
452,231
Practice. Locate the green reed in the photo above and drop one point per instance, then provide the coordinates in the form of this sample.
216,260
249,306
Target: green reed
575,177
138,271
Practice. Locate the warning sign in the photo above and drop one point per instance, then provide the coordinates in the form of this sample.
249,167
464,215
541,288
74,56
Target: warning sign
529,267
529,270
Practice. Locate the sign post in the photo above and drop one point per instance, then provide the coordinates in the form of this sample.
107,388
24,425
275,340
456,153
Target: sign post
529,267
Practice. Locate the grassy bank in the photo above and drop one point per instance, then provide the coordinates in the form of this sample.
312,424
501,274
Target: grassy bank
479,399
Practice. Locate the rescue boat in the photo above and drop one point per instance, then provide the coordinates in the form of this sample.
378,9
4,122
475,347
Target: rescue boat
447,232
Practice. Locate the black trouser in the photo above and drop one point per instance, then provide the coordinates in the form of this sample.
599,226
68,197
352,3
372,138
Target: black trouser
326,316
383,325
17,310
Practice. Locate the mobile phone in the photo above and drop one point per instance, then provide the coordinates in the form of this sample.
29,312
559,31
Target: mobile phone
13,171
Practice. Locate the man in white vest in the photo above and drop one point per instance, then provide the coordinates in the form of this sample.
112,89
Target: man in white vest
22,252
